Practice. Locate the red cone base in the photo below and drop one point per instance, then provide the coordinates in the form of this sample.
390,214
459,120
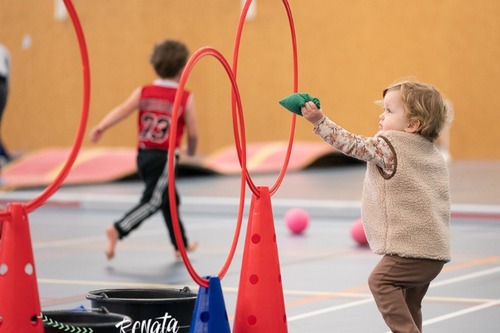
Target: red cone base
19,300
260,307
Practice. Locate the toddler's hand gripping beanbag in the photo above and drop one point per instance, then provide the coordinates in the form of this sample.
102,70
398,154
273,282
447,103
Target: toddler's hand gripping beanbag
296,101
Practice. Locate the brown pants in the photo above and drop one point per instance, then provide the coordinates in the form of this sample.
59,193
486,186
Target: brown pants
398,286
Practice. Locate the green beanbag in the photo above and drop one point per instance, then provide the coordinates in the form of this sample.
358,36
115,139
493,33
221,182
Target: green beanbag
296,101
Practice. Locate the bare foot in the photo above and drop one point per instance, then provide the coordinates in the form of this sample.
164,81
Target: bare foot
193,246
112,235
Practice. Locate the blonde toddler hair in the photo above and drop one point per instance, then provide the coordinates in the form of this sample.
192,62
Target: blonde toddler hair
425,103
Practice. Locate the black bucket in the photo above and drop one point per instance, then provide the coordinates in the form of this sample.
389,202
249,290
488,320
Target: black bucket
172,309
96,321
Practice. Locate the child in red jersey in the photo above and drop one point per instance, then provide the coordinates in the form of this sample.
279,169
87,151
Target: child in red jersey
154,103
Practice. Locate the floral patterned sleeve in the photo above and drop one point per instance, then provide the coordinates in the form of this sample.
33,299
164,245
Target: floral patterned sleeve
370,149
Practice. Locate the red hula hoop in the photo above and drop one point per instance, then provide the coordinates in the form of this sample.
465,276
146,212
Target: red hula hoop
237,43
239,138
241,145
56,183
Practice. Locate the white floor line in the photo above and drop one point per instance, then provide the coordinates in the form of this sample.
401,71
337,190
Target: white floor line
95,199
327,295
437,284
461,312
114,283
328,310
465,277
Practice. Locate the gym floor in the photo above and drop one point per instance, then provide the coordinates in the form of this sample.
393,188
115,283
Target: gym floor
324,272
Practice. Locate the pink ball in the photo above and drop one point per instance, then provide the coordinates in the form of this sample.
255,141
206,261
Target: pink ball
358,232
297,220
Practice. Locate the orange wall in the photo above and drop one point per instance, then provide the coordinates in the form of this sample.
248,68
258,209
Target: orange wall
348,52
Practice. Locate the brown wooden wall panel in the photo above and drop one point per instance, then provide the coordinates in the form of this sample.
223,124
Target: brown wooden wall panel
348,52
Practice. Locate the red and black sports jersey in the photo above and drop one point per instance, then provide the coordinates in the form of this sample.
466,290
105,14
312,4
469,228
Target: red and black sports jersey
155,117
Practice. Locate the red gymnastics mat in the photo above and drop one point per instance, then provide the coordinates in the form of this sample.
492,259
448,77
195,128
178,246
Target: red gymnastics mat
99,165
266,157
94,165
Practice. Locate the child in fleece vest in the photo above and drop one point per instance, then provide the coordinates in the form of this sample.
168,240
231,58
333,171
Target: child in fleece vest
405,202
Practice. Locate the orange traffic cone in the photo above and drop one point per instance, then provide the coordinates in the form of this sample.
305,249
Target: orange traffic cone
19,301
260,307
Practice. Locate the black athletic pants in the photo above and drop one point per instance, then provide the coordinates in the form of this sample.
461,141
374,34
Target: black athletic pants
153,170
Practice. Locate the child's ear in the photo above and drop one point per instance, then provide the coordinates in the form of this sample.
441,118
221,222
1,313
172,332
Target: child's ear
413,126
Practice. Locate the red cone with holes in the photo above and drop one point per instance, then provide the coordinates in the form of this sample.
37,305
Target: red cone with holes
260,307
19,301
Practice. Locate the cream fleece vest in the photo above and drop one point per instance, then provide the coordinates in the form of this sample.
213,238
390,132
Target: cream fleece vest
407,213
